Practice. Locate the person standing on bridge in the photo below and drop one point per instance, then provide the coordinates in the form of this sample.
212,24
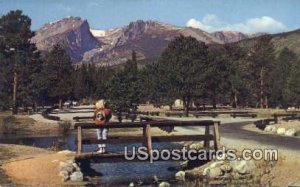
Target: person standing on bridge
102,116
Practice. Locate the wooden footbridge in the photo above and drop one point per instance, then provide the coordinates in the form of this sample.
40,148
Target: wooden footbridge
146,137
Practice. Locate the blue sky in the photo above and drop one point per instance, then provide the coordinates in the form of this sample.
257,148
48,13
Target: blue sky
241,15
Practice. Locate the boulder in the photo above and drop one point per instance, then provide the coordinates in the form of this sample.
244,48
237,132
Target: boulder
215,172
216,164
281,131
164,184
180,175
226,168
212,173
206,171
77,168
64,174
69,161
290,132
196,146
62,165
270,128
274,129
221,156
243,166
69,169
76,176
235,175
131,184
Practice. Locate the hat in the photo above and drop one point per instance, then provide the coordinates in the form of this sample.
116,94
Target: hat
100,104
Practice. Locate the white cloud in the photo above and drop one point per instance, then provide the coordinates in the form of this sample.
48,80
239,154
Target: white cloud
211,23
198,24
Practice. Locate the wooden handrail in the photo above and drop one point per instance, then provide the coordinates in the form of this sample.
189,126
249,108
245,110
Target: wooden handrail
147,137
144,123
283,115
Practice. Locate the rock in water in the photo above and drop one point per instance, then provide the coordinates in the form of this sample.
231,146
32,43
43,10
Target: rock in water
76,176
164,184
281,131
290,132
180,175
243,166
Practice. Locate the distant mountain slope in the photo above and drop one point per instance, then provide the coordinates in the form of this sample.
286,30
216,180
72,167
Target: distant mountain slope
290,40
72,33
147,38
230,36
234,36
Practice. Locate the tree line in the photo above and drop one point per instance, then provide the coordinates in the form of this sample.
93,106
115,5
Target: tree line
241,74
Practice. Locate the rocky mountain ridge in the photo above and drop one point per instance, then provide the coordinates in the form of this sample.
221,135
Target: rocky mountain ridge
234,36
114,46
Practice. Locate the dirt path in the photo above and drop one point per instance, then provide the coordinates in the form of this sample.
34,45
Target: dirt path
30,166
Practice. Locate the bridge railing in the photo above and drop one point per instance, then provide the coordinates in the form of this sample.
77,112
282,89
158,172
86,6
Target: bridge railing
147,137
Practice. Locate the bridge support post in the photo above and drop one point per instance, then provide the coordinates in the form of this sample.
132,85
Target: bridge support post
275,118
206,140
147,137
79,140
216,135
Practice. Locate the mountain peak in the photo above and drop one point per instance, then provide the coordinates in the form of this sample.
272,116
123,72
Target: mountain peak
62,25
72,33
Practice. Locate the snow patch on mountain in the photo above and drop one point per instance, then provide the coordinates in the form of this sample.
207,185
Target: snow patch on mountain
98,33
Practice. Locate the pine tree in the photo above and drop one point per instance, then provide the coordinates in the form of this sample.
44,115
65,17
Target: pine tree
262,61
57,72
238,71
20,59
282,72
180,70
216,74
125,88
291,94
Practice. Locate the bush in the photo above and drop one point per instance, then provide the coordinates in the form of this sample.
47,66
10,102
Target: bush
64,126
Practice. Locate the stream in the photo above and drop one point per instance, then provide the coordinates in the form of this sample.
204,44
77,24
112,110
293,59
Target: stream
111,174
